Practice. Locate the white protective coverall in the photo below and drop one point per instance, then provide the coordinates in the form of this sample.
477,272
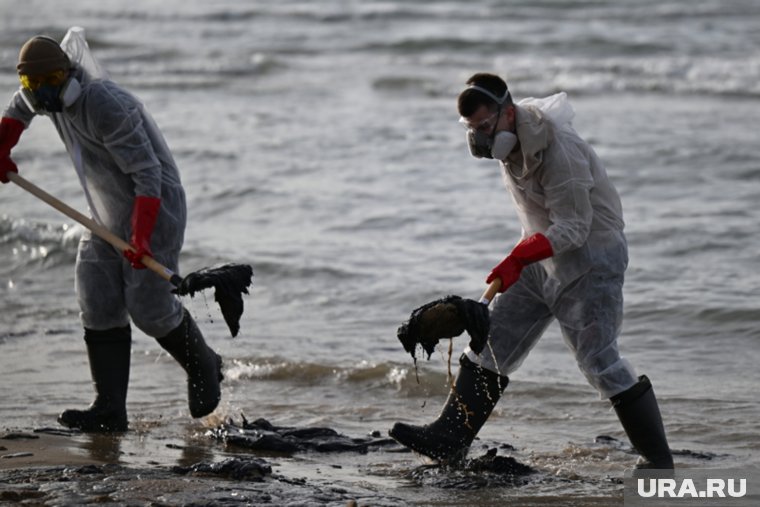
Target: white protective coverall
118,152
561,190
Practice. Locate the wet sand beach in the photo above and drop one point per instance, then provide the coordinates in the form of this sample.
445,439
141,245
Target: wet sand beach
49,466
44,468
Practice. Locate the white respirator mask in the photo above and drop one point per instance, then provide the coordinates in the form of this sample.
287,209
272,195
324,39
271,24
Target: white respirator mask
498,145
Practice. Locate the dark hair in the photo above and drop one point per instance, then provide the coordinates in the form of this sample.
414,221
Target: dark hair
471,99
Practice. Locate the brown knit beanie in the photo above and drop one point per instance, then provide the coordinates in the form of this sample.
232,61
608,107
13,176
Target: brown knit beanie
41,55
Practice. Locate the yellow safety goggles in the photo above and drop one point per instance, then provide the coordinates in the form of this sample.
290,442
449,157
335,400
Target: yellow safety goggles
33,83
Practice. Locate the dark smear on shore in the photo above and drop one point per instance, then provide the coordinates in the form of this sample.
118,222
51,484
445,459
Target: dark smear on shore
291,473
236,481
484,471
261,435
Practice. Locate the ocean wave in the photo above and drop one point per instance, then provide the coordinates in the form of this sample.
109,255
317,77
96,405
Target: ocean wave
177,71
39,233
298,271
738,77
595,47
585,71
23,242
386,375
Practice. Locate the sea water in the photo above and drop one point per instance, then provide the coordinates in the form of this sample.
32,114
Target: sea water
318,141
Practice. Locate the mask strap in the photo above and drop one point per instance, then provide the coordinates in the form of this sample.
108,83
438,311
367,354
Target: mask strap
28,99
499,101
496,123
482,90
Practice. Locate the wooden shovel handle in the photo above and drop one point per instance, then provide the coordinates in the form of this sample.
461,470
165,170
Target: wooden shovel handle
490,292
95,227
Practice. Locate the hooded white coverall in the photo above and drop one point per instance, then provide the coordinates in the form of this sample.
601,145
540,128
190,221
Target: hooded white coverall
561,190
119,153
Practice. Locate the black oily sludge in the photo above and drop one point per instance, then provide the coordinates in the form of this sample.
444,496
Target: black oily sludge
443,318
230,282
261,435
231,482
488,470
252,469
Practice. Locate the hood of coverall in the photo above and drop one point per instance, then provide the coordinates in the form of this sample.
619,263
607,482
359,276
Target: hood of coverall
537,119
535,132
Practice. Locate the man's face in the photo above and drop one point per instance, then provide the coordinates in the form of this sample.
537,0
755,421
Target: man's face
484,119
33,83
490,120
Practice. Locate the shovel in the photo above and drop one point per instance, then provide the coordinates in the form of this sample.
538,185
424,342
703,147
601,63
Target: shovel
229,280
446,318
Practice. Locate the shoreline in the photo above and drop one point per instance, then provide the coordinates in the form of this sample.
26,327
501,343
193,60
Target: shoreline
49,466
42,467
23,449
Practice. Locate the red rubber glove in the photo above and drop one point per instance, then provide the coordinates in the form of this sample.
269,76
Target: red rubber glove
10,132
144,216
7,165
527,251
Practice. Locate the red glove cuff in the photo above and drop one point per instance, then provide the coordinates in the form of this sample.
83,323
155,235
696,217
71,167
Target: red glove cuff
529,250
508,271
144,216
10,133
533,249
7,165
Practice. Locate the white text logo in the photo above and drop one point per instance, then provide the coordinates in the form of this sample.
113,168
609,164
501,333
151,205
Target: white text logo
670,488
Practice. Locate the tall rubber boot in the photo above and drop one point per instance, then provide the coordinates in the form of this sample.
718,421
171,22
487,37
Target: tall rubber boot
203,365
109,354
470,403
640,416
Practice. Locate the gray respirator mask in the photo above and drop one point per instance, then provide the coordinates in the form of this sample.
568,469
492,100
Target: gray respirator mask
497,145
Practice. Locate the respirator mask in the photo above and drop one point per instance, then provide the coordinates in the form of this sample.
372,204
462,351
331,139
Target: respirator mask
50,93
495,145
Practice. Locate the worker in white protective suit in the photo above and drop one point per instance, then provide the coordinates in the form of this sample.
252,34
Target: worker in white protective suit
569,267
133,188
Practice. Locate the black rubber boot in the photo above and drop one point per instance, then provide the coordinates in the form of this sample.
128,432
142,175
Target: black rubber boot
109,354
203,365
638,412
470,402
